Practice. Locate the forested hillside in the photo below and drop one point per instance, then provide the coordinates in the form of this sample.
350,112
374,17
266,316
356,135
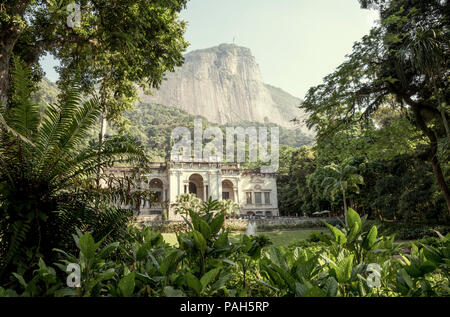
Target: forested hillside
153,125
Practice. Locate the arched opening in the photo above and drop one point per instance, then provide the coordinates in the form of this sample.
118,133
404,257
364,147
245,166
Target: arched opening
196,186
156,187
192,188
227,190
155,183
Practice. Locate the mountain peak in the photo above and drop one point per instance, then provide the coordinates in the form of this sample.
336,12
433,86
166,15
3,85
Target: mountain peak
224,84
224,48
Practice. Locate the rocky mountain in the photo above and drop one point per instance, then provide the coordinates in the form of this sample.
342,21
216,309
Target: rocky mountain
224,84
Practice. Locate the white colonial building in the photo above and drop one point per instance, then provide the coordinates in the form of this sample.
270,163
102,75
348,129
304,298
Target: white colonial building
253,191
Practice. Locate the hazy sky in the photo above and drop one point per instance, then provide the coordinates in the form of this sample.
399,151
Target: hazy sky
295,42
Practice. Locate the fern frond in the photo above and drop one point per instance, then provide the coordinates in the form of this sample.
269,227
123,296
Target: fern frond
25,114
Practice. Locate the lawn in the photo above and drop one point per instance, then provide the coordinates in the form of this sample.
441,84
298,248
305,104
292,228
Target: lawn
278,237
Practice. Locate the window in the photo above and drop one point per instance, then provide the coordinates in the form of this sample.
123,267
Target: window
225,195
258,199
249,198
192,188
267,198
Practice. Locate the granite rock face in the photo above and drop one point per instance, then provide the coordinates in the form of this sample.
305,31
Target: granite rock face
224,84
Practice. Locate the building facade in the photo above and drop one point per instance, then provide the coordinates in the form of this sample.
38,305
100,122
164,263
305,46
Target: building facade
253,191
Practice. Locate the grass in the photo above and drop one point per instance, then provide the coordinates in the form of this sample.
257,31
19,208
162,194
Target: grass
278,237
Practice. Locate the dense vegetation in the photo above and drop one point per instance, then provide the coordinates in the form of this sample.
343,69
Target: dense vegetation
382,149
387,103
384,114
355,262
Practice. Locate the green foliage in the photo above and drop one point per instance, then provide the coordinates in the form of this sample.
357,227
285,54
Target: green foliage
207,263
47,174
294,197
341,179
206,250
400,67
116,47
357,263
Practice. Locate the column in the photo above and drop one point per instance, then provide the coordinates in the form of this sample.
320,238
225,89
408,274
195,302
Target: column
172,187
209,185
219,186
178,183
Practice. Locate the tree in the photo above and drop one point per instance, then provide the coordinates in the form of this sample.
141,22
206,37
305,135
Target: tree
294,197
342,179
45,171
379,71
187,202
424,50
128,42
228,207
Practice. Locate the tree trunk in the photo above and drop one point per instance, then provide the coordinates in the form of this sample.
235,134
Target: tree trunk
441,106
101,138
433,154
9,34
440,177
6,47
345,207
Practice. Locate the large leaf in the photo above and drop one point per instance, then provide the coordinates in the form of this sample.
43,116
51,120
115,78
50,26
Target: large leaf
371,238
354,230
200,225
217,222
405,279
209,276
343,269
87,245
170,262
66,292
169,291
195,218
353,219
108,274
314,292
331,287
20,279
222,241
126,285
199,241
339,236
108,249
193,283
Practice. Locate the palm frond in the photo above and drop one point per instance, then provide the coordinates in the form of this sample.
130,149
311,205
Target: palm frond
57,121
8,129
116,150
25,115
64,151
